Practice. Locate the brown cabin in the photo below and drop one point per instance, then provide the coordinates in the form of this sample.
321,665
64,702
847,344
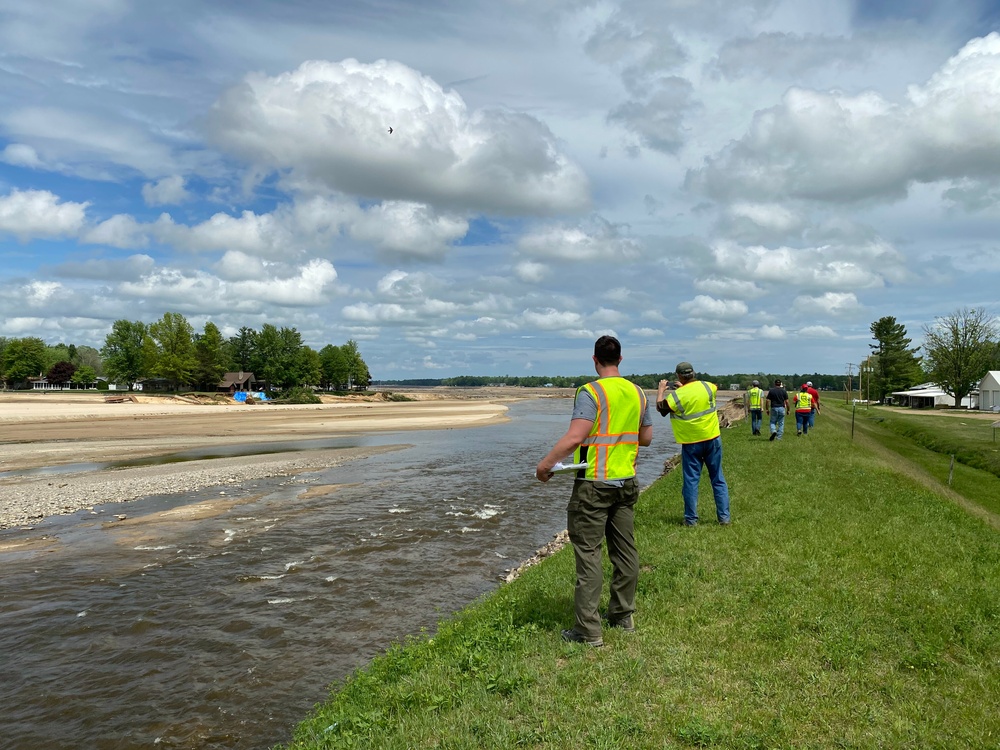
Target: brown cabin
237,381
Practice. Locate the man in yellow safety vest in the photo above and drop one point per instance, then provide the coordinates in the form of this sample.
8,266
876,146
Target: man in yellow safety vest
695,423
611,419
755,405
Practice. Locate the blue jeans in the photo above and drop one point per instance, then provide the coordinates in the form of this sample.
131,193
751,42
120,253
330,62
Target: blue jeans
812,418
756,418
802,421
778,420
693,457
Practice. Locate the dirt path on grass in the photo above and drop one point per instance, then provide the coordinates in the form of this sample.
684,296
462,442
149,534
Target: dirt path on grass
912,470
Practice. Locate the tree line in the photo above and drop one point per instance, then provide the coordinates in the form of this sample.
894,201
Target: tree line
172,350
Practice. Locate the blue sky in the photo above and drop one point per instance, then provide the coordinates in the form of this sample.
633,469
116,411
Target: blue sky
744,185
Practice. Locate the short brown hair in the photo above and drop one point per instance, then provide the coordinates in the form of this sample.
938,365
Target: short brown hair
608,350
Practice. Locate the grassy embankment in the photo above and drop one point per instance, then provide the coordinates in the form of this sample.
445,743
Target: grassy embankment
853,603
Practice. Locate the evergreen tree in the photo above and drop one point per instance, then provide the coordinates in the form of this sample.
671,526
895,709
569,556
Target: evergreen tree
241,351
895,365
210,352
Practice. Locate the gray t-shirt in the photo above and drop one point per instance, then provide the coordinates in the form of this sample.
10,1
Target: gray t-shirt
585,407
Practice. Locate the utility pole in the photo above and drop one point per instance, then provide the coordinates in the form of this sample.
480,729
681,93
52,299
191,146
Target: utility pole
850,383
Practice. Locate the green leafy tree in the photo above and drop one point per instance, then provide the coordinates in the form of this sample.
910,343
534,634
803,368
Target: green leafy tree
125,352
61,372
175,352
56,353
84,375
24,358
280,358
293,364
958,350
4,341
309,366
357,370
266,363
895,364
210,351
334,367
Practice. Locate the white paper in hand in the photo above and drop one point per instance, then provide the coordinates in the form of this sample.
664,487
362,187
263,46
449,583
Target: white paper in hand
561,468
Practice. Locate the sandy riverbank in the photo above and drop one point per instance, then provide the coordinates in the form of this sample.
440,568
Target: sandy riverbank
55,429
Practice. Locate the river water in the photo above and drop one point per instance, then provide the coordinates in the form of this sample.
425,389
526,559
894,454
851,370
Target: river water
222,630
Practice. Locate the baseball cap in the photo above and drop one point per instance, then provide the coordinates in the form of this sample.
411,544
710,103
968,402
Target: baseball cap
756,382
683,368
809,383
804,386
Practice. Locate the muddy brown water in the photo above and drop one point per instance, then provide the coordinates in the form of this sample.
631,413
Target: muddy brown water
218,619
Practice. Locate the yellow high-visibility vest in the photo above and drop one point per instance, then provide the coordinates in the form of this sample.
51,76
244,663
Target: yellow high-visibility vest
693,415
612,448
755,397
803,401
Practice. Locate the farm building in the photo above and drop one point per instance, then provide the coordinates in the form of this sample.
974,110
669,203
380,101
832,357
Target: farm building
989,391
930,396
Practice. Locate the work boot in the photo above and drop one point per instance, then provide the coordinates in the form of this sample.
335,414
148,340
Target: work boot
624,624
574,636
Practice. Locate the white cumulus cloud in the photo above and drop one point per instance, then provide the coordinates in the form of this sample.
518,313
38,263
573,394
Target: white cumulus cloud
837,147
326,123
39,213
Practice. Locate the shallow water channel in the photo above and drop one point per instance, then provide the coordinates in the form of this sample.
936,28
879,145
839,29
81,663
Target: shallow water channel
222,628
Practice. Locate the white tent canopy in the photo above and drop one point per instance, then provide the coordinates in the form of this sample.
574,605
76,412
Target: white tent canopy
930,396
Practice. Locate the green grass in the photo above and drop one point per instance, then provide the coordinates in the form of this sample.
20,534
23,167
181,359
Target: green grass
927,443
970,440
850,605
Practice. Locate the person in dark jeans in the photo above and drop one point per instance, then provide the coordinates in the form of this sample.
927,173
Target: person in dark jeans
777,407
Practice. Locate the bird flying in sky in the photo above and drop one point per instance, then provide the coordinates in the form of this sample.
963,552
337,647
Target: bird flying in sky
390,131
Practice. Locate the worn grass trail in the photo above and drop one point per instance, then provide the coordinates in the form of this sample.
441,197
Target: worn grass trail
849,605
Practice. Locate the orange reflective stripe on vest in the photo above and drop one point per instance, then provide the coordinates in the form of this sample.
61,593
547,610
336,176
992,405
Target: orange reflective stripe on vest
612,448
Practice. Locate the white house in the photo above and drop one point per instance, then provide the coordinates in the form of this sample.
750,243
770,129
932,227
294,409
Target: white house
989,391
930,396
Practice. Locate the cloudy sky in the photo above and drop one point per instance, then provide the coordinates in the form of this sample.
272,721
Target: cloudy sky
745,184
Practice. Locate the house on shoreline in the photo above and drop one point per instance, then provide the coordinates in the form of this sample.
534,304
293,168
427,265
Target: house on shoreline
233,382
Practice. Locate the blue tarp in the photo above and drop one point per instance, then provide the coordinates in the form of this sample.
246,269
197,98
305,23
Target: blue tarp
241,396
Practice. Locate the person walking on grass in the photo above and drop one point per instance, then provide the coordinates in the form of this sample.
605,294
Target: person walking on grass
611,419
803,410
755,405
776,406
695,422
815,410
